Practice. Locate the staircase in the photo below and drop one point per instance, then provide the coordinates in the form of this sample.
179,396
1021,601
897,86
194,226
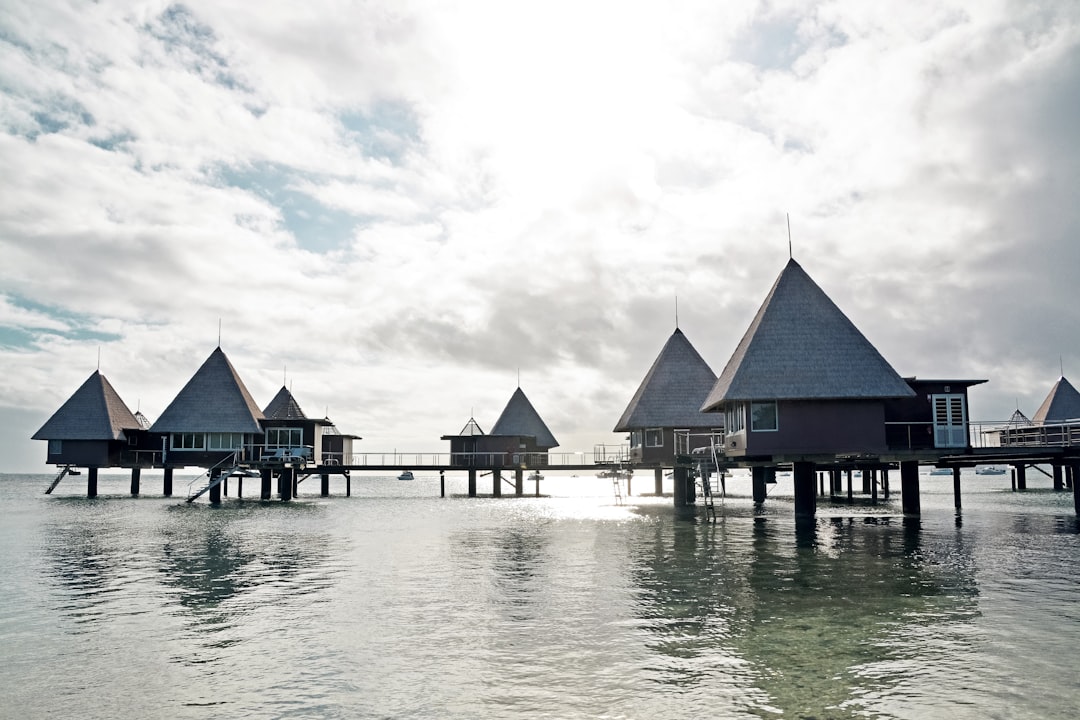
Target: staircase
215,476
68,470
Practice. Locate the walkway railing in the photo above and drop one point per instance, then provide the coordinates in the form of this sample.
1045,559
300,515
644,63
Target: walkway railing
980,434
469,459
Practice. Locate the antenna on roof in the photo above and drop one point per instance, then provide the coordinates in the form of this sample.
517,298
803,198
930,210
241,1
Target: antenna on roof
676,312
1061,363
789,254
99,358
284,374
519,378
219,332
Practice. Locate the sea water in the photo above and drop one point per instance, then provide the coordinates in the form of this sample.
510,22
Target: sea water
398,603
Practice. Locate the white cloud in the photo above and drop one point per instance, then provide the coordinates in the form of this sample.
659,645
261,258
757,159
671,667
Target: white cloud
406,202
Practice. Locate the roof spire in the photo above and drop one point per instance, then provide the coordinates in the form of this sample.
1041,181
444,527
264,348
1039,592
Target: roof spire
219,332
99,358
676,312
519,378
789,253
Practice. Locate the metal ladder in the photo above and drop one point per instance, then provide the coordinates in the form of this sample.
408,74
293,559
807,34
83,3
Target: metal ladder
616,483
230,461
68,470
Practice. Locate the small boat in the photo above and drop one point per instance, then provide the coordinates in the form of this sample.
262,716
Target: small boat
941,471
989,470
406,475
535,476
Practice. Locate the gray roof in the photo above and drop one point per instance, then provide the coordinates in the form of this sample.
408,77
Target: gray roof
471,428
94,412
671,394
284,407
801,346
1063,403
214,400
520,418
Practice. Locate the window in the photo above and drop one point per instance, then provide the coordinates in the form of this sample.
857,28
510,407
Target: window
225,441
735,418
56,447
635,438
654,437
188,441
284,437
763,416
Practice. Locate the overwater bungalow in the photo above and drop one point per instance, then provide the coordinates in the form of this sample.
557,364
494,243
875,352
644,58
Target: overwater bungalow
664,417
211,418
520,436
93,428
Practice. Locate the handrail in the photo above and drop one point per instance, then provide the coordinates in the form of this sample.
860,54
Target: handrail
232,459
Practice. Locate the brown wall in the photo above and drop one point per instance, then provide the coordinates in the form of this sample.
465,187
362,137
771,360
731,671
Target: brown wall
822,426
86,453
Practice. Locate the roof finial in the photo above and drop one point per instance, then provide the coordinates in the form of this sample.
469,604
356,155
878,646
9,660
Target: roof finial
519,378
99,358
1061,364
219,332
284,374
789,253
676,312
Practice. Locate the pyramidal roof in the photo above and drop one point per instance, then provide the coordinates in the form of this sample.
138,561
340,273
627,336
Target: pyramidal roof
672,391
284,407
1063,403
471,428
94,412
801,346
214,400
1019,419
520,418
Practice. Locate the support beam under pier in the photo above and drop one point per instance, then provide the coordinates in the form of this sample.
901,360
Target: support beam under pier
956,487
215,491
805,499
267,476
91,482
758,478
682,482
519,482
909,487
658,481
324,485
136,474
472,482
166,482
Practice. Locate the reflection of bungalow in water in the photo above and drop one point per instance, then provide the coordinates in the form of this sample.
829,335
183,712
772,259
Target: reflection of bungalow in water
289,432
212,417
664,417
804,385
519,437
94,428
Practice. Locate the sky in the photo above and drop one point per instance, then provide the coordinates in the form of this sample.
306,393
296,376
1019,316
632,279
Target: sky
400,208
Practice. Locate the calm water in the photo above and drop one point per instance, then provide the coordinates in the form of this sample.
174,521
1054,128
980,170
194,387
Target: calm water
395,603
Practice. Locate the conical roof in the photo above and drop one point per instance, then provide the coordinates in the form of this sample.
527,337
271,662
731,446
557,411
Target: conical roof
520,418
214,400
672,391
801,346
94,412
284,407
1019,419
1063,403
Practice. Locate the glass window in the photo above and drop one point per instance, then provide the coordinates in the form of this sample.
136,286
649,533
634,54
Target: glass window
635,438
188,441
56,447
654,437
225,441
763,416
735,418
284,437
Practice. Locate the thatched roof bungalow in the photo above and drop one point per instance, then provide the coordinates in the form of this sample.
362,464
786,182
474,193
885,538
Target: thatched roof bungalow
664,416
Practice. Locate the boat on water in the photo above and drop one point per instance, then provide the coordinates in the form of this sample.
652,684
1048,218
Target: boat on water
406,475
535,476
941,471
989,470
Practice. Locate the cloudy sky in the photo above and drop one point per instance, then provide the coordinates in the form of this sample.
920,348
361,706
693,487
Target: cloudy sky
396,207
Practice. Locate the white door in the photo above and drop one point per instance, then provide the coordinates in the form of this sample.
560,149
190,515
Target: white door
950,421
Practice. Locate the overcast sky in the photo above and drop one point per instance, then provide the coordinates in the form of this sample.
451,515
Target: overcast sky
394,207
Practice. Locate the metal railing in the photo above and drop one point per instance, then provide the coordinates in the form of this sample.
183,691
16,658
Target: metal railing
468,459
980,434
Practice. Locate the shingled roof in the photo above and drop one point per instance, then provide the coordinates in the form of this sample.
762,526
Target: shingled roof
672,392
520,418
214,400
94,412
284,407
1063,403
801,346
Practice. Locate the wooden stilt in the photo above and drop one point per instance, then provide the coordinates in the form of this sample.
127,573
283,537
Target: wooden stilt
266,475
286,483
472,482
166,482
885,482
91,482
682,481
873,487
215,492
240,486
348,484
757,477
1059,485
1021,477
442,483
850,493
519,482
324,486
805,502
1075,468
909,487
496,483
956,487
658,481
225,486
866,482
135,477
